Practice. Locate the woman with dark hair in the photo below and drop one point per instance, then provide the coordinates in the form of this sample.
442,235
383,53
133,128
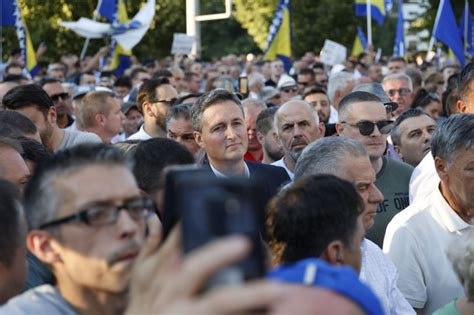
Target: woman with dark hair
430,103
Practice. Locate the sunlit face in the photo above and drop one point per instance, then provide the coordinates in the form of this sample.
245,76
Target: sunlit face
415,138
87,79
122,91
223,135
321,104
360,172
114,117
396,66
181,130
161,109
277,68
251,114
61,103
132,121
97,257
399,91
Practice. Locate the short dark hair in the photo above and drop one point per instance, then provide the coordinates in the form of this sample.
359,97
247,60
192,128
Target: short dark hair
41,198
152,156
264,121
314,89
356,97
34,151
207,100
423,98
179,111
136,71
28,95
12,65
123,81
395,133
464,81
307,71
394,59
13,231
162,73
310,214
17,78
18,121
182,99
188,75
148,91
48,80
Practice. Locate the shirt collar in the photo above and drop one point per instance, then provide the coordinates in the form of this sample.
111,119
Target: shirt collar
450,218
222,175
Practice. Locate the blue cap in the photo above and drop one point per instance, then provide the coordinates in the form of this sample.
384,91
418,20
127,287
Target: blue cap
342,280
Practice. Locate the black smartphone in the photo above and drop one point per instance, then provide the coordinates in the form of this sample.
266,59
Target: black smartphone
211,207
244,86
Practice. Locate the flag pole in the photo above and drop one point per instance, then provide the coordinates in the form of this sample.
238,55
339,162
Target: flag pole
369,23
432,39
86,43
466,24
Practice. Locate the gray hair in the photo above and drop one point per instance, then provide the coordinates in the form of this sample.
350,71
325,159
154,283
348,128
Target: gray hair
456,133
256,78
398,76
461,255
276,119
250,102
338,81
43,195
328,156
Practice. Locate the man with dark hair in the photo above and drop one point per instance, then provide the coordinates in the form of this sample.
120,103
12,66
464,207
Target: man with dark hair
61,100
396,64
363,117
87,78
180,129
305,78
122,87
329,226
267,136
318,98
155,98
411,135
138,76
34,153
12,165
20,124
12,242
33,101
101,114
133,118
87,221
219,128
418,237
193,82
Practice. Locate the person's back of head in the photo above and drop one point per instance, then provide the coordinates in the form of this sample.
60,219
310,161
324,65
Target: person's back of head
312,218
92,104
12,242
465,88
337,83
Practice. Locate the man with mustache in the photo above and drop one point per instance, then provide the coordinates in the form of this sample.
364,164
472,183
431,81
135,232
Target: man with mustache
297,125
363,117
87,222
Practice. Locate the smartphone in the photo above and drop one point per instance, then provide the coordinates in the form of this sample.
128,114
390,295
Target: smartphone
243,86
210,208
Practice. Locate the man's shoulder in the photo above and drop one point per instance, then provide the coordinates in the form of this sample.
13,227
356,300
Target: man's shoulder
78,136
266,169
398,166
44,299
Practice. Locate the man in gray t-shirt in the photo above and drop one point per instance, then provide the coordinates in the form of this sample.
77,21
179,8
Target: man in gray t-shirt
75,137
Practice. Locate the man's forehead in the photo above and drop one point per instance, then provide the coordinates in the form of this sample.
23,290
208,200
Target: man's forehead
166,90
53,86
419,122
367,111
223,110
396,83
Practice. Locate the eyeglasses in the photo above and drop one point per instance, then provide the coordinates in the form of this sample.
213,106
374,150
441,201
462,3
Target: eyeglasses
62,96
170,102
366,128
402,92
289,90
106,214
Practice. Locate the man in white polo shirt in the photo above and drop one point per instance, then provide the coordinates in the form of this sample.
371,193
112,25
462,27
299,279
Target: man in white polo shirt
417,238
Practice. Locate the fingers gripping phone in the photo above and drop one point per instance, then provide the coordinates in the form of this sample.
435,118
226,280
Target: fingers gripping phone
211,207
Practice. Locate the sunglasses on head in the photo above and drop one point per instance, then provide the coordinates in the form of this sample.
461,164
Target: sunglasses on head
366,128
56,97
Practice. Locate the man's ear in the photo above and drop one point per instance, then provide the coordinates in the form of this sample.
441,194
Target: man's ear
42,245
148,109
100,119
52,115
441,168
339,128
322,129
277,138
398,151
461,107
334,253
198,138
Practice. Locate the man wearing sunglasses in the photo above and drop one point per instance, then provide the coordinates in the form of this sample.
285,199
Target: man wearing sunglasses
87,222
363,117
62,101
155,98
399,88
288,88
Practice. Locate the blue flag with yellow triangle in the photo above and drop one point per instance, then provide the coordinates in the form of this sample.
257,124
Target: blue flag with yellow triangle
360,43
120,56
279,39
377,9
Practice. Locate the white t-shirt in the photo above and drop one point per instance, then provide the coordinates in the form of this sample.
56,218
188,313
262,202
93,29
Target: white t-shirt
140,135
416,241
281,163
333,116
424,179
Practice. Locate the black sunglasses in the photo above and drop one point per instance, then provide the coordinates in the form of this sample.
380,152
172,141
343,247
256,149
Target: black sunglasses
366,128
170,102
289,90
56,97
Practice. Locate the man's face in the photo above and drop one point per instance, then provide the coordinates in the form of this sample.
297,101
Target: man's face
57,74
320,102
374,112
87,79
399,92
114,117
271,144
466,104
434,109
360,172
297,128
320,76
251,114
181,130
303,81
59,97
98,257
287,93
224,134
396,66
132,121
121,91
277,68
415,138
42,123
178,77
375,73
194,84
165,93
140,78
12,167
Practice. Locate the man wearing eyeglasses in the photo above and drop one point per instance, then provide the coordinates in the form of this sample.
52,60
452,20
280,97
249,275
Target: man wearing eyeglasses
363,117
399,88
61,101
87,222
155,98
288,88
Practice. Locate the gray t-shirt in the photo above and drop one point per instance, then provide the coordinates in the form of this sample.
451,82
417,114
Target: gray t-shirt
75,137
42,300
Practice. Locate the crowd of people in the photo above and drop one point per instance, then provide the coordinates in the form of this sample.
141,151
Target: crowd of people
366,169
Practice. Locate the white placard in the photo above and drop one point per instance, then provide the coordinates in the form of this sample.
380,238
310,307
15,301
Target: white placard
182,44
333,53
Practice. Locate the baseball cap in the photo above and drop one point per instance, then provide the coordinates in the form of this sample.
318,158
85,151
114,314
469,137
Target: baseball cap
318,273
286,81
80,91
377,90
127,106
